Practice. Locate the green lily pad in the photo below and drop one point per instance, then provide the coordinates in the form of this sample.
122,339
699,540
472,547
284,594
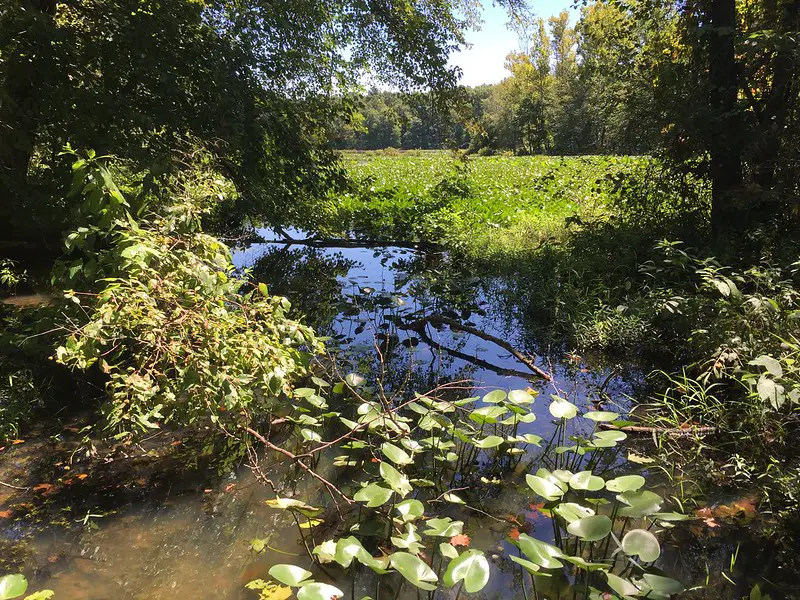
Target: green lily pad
289,575
12,586
444,527
410,510
540,553
626,483
639,504
319,591
396,454
563,409
591,529
586,481
641,543
570,511
414,569
373,494
601,416
472,568
545,488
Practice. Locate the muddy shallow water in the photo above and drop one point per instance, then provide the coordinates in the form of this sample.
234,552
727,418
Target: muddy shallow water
158,527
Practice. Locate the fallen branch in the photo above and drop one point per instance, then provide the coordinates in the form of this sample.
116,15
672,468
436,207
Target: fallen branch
14,487
453,324
471,359
299,463
677,431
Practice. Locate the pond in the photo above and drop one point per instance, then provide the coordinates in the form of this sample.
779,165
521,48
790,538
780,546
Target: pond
171,525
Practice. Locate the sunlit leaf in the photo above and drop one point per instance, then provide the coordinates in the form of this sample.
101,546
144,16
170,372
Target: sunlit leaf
414,570
472,568
289,575
641,543
591,529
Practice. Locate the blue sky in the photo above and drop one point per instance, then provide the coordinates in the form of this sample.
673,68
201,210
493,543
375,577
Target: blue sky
483,63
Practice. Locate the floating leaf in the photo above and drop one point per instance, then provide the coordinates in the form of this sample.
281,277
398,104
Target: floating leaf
414,569
641,543
622,586
601,416
494,397
542,554
447,550
460,540
354,380
491,441
396,480
640,504
410,510
444,527
611,435
289,575
395,454
586,481
488,415
662,585
520,397
374,495
562,409
545,488
532,568
12,586
591,529
570,512
472,568
626,483
319,591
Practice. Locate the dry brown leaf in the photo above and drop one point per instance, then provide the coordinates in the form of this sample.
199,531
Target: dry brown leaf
460,540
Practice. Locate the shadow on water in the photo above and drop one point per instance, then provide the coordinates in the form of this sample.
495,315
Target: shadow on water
179,518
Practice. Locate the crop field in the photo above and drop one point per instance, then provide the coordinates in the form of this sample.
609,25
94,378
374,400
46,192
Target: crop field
439,196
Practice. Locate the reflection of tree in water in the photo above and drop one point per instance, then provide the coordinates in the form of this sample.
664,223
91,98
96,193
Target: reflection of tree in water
308,277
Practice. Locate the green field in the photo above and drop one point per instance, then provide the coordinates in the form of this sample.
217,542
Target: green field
476,203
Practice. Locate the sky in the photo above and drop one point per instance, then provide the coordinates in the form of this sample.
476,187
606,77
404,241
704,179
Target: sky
483,63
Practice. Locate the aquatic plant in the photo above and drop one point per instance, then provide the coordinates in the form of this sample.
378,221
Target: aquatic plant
418,465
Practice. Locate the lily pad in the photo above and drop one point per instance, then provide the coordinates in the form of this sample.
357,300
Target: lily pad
472,568
319,591
591,529
415,570
289,575
641,543
626,483
586,481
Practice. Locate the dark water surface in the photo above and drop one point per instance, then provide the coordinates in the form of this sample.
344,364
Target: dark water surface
187,534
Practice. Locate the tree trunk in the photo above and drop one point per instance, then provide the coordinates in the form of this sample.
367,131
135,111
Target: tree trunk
725,144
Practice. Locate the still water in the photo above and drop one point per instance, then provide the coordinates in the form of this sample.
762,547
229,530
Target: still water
167,528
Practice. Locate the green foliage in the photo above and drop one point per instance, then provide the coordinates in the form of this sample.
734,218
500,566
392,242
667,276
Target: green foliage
479,205
10,275
158,309
437,442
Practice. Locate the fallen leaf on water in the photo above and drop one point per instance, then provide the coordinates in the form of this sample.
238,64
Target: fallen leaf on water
43,487
53,558
178,443
229,487
14,442
5,514
82,476
460,540
514,534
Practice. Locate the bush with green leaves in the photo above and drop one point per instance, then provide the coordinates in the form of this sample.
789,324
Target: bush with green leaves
155,305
